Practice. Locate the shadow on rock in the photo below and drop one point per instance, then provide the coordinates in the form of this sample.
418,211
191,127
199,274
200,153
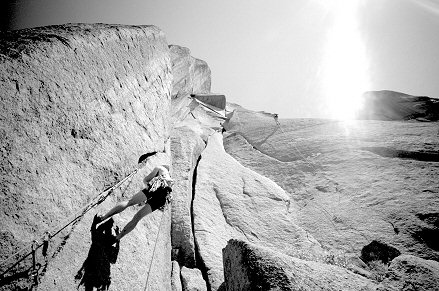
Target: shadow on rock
428,233
379,251
424,156
95,271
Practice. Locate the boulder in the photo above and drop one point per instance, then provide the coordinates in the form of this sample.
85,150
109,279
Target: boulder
252,267
190,75
391,105
407,272
80,103
186,149
192,280
175,277
232,201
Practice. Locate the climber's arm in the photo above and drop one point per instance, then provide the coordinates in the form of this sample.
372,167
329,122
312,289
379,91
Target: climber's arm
151,175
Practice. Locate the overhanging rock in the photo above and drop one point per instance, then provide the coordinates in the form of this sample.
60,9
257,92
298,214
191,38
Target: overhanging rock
216,100
190,75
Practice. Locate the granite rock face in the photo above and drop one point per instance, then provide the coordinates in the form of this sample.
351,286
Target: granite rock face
191,75
192,280
186,149
354,182
80,103
408,272
251,267
232,201
175,277
391,105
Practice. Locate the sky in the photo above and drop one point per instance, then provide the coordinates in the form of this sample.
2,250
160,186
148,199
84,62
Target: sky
297,58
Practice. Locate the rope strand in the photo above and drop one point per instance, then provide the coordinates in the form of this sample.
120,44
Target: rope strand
153,252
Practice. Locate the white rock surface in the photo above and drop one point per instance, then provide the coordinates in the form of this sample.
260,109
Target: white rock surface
191,75
175,277
192,280
80,103
186,148
232,201
355,182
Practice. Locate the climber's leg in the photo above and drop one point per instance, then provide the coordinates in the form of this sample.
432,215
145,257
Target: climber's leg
139,197
132,224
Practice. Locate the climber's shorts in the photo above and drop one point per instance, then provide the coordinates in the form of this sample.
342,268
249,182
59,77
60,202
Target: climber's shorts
158,198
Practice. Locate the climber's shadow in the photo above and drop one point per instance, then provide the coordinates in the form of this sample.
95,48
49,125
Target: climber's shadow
95,271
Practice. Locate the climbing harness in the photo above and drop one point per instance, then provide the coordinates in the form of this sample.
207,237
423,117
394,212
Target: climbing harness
35,245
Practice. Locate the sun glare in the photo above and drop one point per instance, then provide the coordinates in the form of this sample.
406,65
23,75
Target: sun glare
345,63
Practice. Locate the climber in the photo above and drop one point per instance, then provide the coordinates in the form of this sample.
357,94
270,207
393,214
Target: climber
276,118
155,196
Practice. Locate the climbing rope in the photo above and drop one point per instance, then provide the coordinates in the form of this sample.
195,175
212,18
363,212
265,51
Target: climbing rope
35,245
305,159
155,244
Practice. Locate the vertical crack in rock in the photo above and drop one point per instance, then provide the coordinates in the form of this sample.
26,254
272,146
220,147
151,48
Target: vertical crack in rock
198,259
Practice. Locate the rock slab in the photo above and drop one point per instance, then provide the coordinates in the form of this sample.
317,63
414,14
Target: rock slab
186,149
355,182
192,280
232,201
251,267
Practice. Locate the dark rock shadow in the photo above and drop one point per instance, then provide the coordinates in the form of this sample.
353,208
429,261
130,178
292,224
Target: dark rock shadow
379,251
428,234
424,156
96,269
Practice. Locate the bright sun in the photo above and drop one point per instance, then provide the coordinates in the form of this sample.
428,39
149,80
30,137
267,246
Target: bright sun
345,62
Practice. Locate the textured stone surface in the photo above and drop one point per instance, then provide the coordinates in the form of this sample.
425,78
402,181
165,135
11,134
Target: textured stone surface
354,182
390,105
190,75
181,108
408,272
186,148
201,80
232,201
79,105
192,280
175,277
251,267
